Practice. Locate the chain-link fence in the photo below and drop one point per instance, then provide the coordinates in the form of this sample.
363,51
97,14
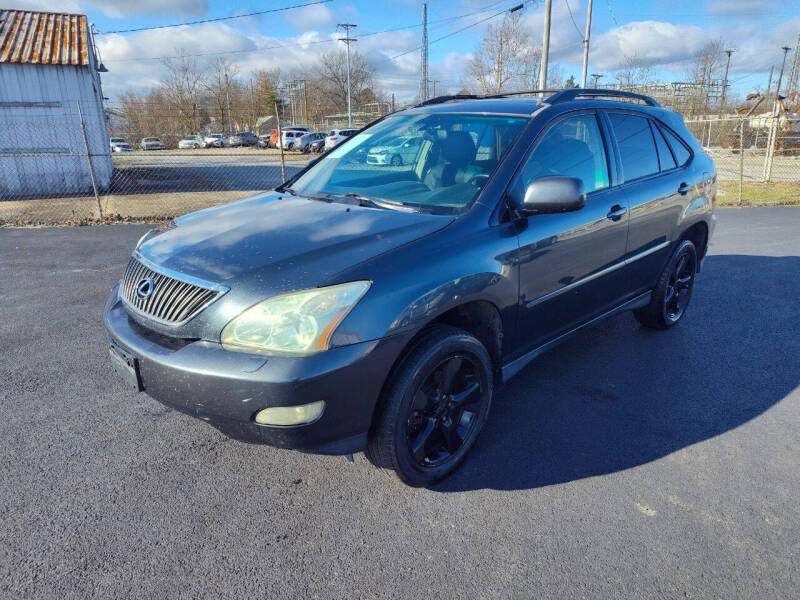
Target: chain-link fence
58,165
757,158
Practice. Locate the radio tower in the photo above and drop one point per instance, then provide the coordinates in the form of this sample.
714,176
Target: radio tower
423,82
794,73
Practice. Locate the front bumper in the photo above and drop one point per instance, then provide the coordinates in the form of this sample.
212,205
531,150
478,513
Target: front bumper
377,159
226,389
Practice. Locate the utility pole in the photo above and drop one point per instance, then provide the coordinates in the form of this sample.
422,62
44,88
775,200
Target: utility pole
794,73
545,45
773,130
347,40
423,82
595,78
586,44
228,102
392,101
769,86
725,82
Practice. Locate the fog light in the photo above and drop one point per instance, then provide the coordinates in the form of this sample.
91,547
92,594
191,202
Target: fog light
290,415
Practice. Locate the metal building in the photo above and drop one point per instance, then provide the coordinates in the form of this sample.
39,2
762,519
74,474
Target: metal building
51,107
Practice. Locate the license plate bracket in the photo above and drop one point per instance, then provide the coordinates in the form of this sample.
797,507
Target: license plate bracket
127,365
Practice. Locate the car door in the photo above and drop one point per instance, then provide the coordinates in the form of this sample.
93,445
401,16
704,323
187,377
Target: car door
570,264
655,186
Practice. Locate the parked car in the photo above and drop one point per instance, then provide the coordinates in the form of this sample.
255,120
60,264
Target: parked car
216,140
397,152
192,142
356,308
273,135
245,138
121,147
306,140
116,141
152,143
337,136
263,141
290,138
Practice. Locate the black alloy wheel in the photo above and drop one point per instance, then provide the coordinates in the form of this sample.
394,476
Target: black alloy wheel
434,406
679,286
444,411
673,291
396,161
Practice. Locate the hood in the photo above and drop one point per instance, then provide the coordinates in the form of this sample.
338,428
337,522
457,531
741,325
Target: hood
279,242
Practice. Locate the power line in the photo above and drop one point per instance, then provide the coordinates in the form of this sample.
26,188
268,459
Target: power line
572,18
297,44
452,33
214,20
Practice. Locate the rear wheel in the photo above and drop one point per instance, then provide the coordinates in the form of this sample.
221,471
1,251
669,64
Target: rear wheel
433,408
396,160
673,291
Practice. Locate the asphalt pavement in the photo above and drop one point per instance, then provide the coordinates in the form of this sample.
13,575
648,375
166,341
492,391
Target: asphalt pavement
626,463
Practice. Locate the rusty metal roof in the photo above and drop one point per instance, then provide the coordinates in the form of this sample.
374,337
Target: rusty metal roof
43,38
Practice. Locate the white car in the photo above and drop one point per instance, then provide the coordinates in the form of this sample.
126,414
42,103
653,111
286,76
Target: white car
216,140
337,136
191,142
121,147
116,141
152,143
397,152
291,137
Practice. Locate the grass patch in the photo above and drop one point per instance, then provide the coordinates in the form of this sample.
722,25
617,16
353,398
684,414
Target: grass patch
777,193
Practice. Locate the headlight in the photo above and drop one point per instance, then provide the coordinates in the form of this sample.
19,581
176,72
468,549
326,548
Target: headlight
299,323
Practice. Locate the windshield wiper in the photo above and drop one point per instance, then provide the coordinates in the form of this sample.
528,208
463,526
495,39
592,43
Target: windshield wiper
380,203
325,198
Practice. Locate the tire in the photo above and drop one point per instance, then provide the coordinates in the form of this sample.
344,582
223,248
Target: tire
419,410
396,161
673,290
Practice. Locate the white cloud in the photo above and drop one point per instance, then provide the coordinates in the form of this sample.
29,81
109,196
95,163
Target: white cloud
737,8
67,6
118,9
311,17
652,42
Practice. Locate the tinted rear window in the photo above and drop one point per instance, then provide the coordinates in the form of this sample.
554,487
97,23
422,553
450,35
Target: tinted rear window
636,145
680,150
664,155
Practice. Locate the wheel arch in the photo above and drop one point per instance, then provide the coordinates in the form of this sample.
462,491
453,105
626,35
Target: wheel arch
698,235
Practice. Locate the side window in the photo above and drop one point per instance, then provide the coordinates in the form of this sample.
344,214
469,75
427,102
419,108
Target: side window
665,157
682,154
637,148
573,148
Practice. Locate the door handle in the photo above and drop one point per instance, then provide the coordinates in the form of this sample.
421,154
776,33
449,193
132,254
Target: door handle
616,212
683,189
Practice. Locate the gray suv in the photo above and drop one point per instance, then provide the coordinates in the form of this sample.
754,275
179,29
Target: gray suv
359,308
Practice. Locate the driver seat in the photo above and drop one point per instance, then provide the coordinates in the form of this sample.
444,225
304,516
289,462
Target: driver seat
453,156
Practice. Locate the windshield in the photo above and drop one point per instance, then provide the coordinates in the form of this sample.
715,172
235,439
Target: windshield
445,161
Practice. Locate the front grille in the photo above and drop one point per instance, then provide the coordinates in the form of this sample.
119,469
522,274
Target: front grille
173,300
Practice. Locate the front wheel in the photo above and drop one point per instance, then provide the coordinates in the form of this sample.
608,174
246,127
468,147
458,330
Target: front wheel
673,290
396,161
433,408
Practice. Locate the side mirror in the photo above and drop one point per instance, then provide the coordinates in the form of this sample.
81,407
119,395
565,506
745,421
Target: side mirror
553,195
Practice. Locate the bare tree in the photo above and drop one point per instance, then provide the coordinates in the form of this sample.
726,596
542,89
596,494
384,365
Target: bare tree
704,69
504,60
220,84
633,72
331,78
181,86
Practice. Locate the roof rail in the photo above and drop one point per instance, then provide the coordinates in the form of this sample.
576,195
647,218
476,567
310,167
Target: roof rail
441,99
573,93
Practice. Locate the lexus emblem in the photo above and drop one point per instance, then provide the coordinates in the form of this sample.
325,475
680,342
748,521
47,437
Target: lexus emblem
145,288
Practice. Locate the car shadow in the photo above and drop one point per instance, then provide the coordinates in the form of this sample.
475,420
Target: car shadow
618,395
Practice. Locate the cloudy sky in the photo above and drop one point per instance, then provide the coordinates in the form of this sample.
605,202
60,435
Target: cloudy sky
663,33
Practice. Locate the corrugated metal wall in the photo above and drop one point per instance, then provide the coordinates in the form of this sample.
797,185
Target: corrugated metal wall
42,151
